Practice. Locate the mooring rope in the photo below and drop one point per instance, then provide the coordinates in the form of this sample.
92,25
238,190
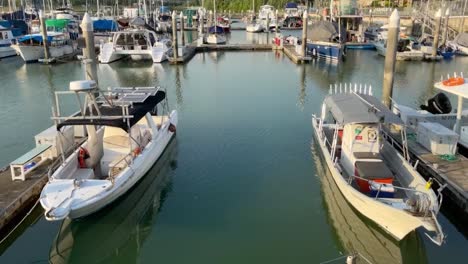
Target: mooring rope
22,220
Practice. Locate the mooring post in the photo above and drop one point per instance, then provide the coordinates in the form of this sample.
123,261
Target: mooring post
89,53
435,45
462,22
210,22
276,24
446,24
45,41
304,34
390,57
175,48
182,37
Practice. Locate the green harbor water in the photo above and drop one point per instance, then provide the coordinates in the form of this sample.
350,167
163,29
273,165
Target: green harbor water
242,182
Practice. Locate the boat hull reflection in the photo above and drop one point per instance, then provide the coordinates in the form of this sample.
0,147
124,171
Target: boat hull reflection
358,235
116,233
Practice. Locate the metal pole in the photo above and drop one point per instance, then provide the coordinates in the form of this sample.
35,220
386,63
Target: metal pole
182,37
459,115
390,57
304,33
436,34
44,36
89,53
175,48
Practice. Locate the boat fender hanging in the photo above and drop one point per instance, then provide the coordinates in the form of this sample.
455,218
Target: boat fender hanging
83,154
172,128
136,151
454,81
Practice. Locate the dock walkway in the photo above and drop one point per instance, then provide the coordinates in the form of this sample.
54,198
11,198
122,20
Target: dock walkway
16,197
454,173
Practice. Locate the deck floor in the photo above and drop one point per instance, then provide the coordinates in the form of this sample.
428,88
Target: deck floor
16,196
455,173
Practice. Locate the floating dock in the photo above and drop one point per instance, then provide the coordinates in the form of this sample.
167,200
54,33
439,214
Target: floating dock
234,47
452,172
188,55
17,197
290,51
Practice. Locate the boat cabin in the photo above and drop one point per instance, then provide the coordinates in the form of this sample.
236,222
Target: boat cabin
355,141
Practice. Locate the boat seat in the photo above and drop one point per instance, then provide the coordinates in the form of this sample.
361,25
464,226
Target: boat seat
373,170
111,158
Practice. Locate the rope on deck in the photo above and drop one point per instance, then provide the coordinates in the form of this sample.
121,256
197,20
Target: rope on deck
448,157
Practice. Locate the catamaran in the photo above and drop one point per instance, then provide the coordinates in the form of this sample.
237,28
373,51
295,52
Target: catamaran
128,129
373,177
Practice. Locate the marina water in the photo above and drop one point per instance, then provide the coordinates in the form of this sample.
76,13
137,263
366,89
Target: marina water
243,181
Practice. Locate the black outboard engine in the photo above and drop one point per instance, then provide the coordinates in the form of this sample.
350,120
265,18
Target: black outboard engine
439,104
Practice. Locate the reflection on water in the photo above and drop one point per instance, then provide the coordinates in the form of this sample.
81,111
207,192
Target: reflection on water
117,233
358,234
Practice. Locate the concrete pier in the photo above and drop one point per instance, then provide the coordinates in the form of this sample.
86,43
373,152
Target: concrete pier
89,52
175,46
390,57
45,40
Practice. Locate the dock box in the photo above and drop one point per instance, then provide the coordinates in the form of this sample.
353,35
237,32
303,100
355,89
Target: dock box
52,137
437,138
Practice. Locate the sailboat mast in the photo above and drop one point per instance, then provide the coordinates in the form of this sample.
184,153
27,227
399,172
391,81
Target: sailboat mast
215,19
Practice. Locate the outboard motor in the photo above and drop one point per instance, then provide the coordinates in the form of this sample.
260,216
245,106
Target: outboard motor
439,104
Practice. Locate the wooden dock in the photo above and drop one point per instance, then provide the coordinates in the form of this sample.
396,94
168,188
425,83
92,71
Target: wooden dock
17,197
452,172
188,55
234,47
290,51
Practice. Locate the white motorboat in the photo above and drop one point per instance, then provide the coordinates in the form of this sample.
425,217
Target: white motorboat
31,49
372,176
6,36
438,109
405,50
460,44
254,27
128,130
162,49
139,44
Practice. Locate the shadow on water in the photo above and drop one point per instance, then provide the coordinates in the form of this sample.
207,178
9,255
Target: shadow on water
357,234
116,234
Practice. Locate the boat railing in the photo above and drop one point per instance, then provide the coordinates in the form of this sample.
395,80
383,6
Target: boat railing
128,161
62,158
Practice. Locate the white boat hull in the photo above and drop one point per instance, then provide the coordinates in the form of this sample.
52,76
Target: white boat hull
34,53
61,198
216,39
254,28
396,222
7,52
460,50
414,55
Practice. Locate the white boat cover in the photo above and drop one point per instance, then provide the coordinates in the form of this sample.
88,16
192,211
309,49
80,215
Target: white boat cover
359,108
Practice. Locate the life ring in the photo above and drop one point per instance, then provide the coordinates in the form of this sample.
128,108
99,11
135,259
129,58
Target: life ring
372,135
172,128
454,81
83,154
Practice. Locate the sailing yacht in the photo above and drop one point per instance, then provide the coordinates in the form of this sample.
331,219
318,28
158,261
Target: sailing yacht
216,33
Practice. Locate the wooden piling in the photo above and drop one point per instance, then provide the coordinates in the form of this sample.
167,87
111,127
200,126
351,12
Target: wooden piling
277,21
390,57
435,45
175,47
89,52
